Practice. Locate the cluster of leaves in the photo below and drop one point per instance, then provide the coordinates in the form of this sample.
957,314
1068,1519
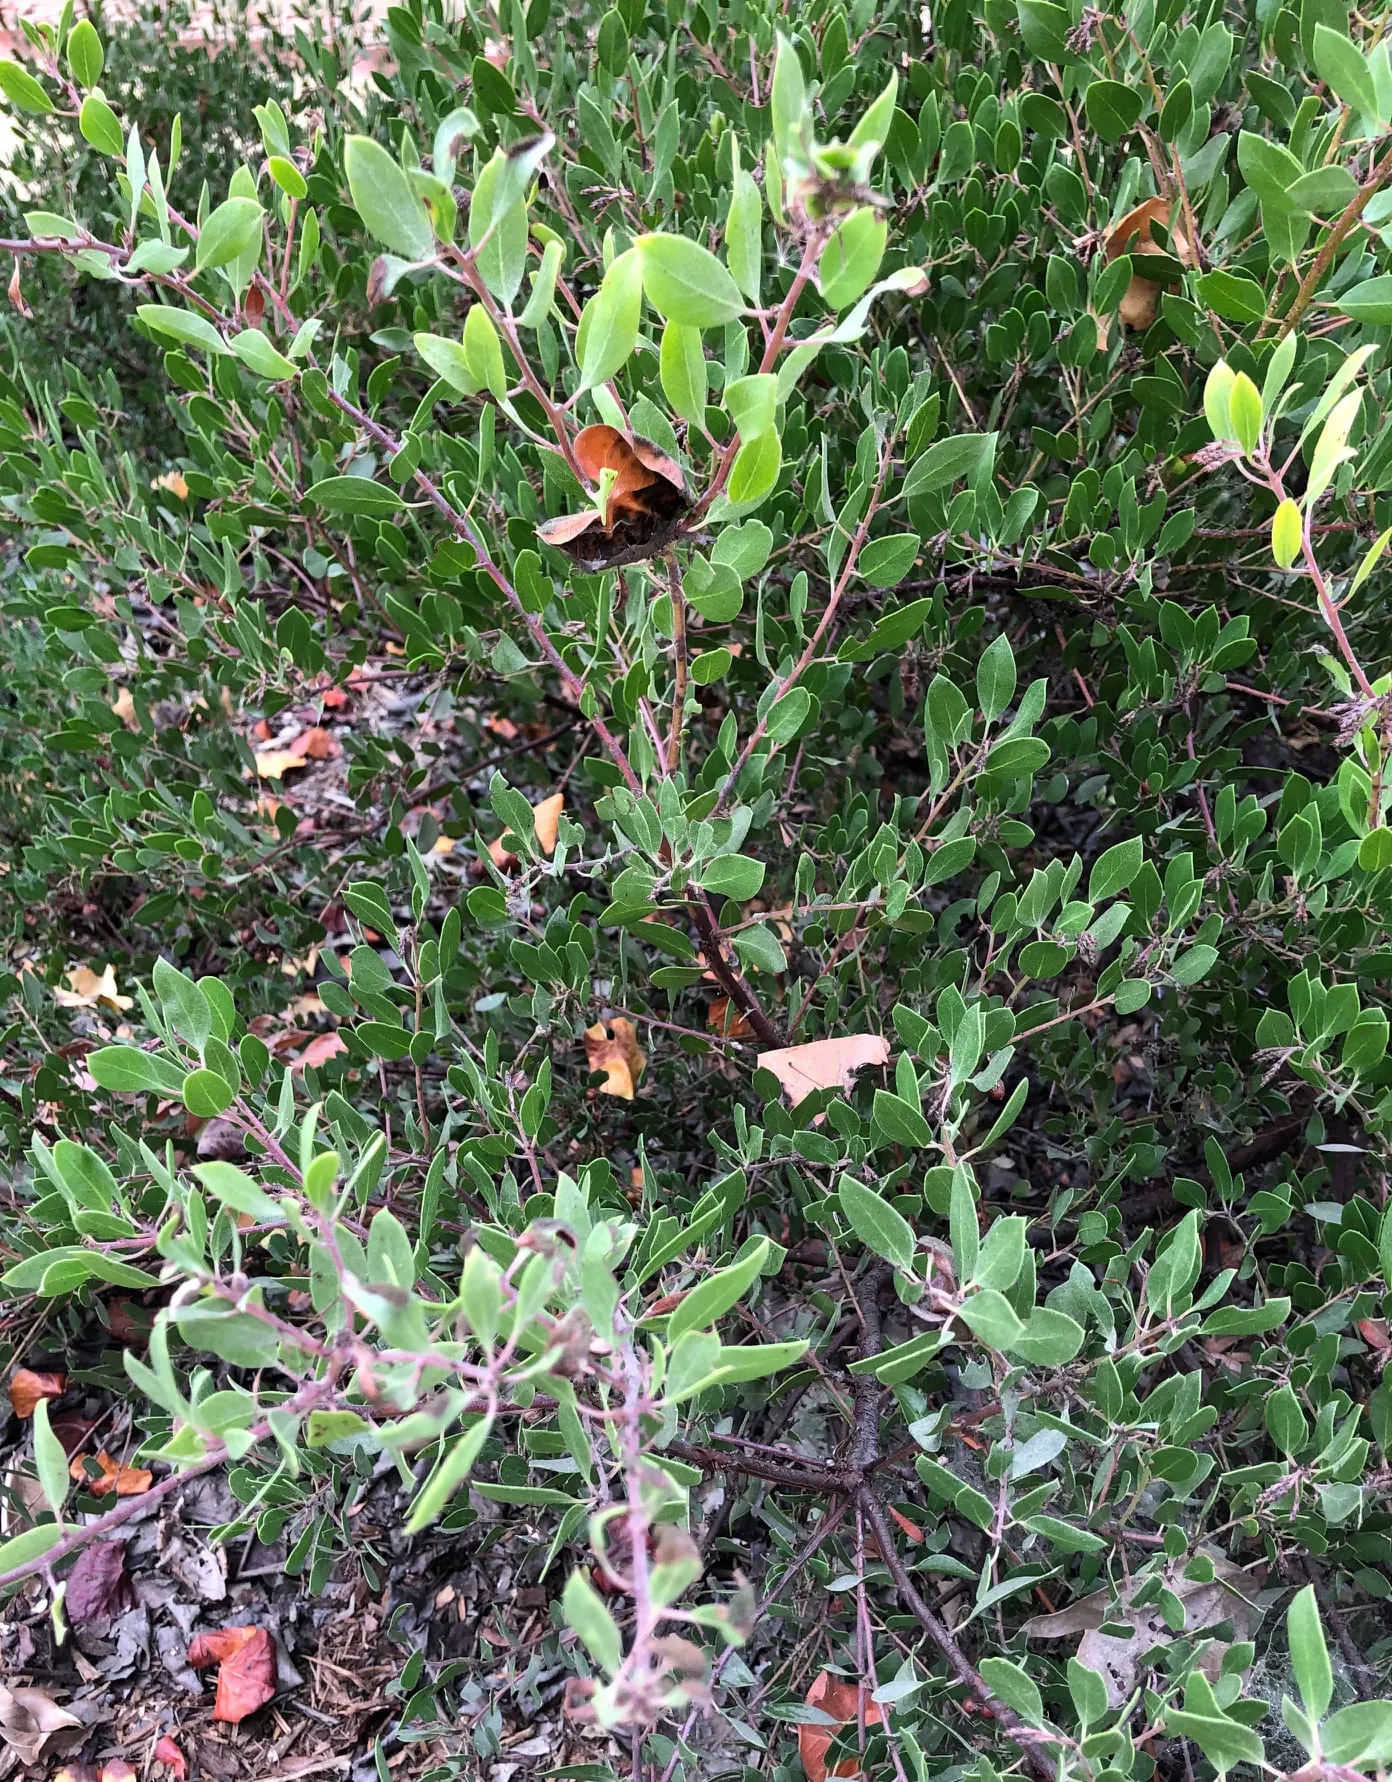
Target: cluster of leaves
912,508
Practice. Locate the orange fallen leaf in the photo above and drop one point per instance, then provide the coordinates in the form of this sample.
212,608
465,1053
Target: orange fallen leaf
317,743
123,1481
840,1701
88,990
1374,1332
723,1018
319,1051
444,844
824,1064
617,1054
245,1657
334,699
174,482
169,1754
274,764
27,1387
124,707
546,821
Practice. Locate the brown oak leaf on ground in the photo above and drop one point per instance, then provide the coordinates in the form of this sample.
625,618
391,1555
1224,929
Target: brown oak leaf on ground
27,1387
29,1719
840,1701
245,1657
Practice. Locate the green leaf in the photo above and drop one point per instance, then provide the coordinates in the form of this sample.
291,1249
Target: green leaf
945,463
1113,109
1314,1674
1050,1338
447,359
744,247
235,1189
86,57
899,1122
682,367
1344,69
1370,301
685,282
1231,295
753,1361
751,403
1245,412
206,1094
1285,1421
851,258
991,1318
182,325
73,1266
756,469
483,350
1015,1687
128,1071
884,562
287,177
1287,533
733,875
32,1544
714,1296
100,126
257,354
1267,168
791,113
354,495
878,1225
609,327
1360,1734
50,1461
182,1003
454,1468
1114,869
383,198
23,91
231,231
995,678
585,1613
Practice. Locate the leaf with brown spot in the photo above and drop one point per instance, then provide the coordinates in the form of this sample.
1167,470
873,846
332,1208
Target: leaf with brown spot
27,1387
97,1584
841,1702
617,1054
245,1657
825,1064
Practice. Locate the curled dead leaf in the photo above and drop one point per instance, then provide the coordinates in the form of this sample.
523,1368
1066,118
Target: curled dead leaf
122,1481
643,501
617,1054
1134,234
174,482
841,1702
824,1064
29,1720
124,707
96,1584
724,1018
245,1657
27,1387
89,990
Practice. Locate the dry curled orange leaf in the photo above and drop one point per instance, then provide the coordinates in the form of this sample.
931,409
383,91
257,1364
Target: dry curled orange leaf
616,1052
88,989
27,1387
1133,234
840,1701
122,1481
245,1657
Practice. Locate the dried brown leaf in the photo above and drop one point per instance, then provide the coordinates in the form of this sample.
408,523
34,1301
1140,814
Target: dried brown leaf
841,1701
88,990
27,1387
173,1759
123,1481
97,1585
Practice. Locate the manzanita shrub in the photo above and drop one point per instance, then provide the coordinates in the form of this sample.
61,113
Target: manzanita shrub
822,1041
